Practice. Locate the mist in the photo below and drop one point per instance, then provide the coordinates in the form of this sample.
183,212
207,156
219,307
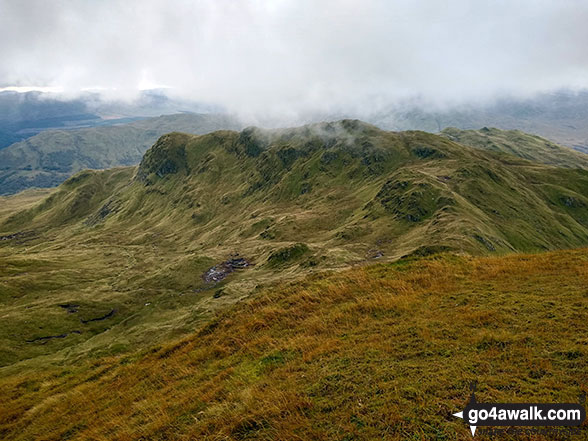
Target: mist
287,59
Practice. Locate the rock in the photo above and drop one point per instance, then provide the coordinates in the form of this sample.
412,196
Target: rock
223,269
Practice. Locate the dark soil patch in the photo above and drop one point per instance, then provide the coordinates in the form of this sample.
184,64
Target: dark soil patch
47,338
98,319
18,236
70,307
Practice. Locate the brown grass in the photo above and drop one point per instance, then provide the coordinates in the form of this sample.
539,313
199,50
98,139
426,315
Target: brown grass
381,352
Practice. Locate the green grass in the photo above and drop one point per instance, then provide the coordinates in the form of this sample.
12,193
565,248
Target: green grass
380,352
98,276
287,255
316,198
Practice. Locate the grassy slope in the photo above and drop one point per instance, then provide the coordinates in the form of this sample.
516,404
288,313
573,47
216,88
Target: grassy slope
520,144
137,242
22,201
111,262
47,159
379,352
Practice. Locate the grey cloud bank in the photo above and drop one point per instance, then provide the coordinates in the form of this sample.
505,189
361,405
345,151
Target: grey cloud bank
288,58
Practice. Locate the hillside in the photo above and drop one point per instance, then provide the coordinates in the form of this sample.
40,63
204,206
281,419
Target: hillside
49,158
380,352
523,145
25,114
104,280
205,220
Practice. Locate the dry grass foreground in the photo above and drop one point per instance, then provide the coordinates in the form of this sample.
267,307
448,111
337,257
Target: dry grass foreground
380,352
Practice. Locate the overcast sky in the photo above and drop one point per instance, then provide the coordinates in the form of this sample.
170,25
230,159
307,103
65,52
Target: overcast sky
297,55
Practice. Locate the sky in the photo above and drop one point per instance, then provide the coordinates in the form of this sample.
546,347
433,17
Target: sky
296,56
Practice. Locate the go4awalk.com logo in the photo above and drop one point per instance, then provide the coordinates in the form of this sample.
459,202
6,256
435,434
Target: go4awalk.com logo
476,414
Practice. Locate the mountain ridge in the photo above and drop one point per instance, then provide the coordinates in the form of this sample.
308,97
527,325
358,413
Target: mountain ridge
401,172
518,143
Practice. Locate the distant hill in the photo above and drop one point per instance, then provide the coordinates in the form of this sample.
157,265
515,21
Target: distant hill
25,114
47,159
561,117
523,145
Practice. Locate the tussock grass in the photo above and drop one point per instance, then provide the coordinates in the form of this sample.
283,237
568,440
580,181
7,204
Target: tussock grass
379,352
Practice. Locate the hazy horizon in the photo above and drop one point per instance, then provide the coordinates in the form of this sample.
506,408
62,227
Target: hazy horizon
288,59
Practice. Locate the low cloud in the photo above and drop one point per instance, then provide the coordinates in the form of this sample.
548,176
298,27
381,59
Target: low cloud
298,57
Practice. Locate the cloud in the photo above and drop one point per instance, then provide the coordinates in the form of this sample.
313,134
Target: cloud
291,57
